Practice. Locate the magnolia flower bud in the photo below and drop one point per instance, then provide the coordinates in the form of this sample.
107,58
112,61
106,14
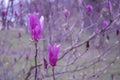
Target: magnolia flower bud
45,63
16,14
20,4
66,13
87,45
4,12
105,24
89,8
117,32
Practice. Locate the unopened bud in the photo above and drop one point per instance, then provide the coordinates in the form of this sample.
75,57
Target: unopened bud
87,45
66,13
45,63
117,32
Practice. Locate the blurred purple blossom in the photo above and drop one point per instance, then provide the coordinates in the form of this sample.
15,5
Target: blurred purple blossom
20,4
4,12
37,8
36,27
53,54
117,32
16,14
105,24
89,8
66,13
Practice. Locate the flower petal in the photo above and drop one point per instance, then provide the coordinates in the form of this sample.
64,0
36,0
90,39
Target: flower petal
56,50
42,22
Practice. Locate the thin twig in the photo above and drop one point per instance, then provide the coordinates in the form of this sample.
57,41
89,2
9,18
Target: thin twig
53,73
36,60
30,70
76,45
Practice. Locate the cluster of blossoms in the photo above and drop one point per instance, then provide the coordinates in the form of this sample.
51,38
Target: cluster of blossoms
89,9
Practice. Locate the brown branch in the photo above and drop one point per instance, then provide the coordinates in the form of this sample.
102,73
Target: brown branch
90,38
30,70
102,70
36,52
91,63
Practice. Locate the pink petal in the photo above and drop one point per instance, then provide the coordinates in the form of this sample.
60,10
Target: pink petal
56,50
42,22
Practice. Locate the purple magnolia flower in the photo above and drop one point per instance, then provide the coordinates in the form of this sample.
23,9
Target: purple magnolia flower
36,27
66,13
89,8
37,8
53,54
4,12
105,24
20,4
16,14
